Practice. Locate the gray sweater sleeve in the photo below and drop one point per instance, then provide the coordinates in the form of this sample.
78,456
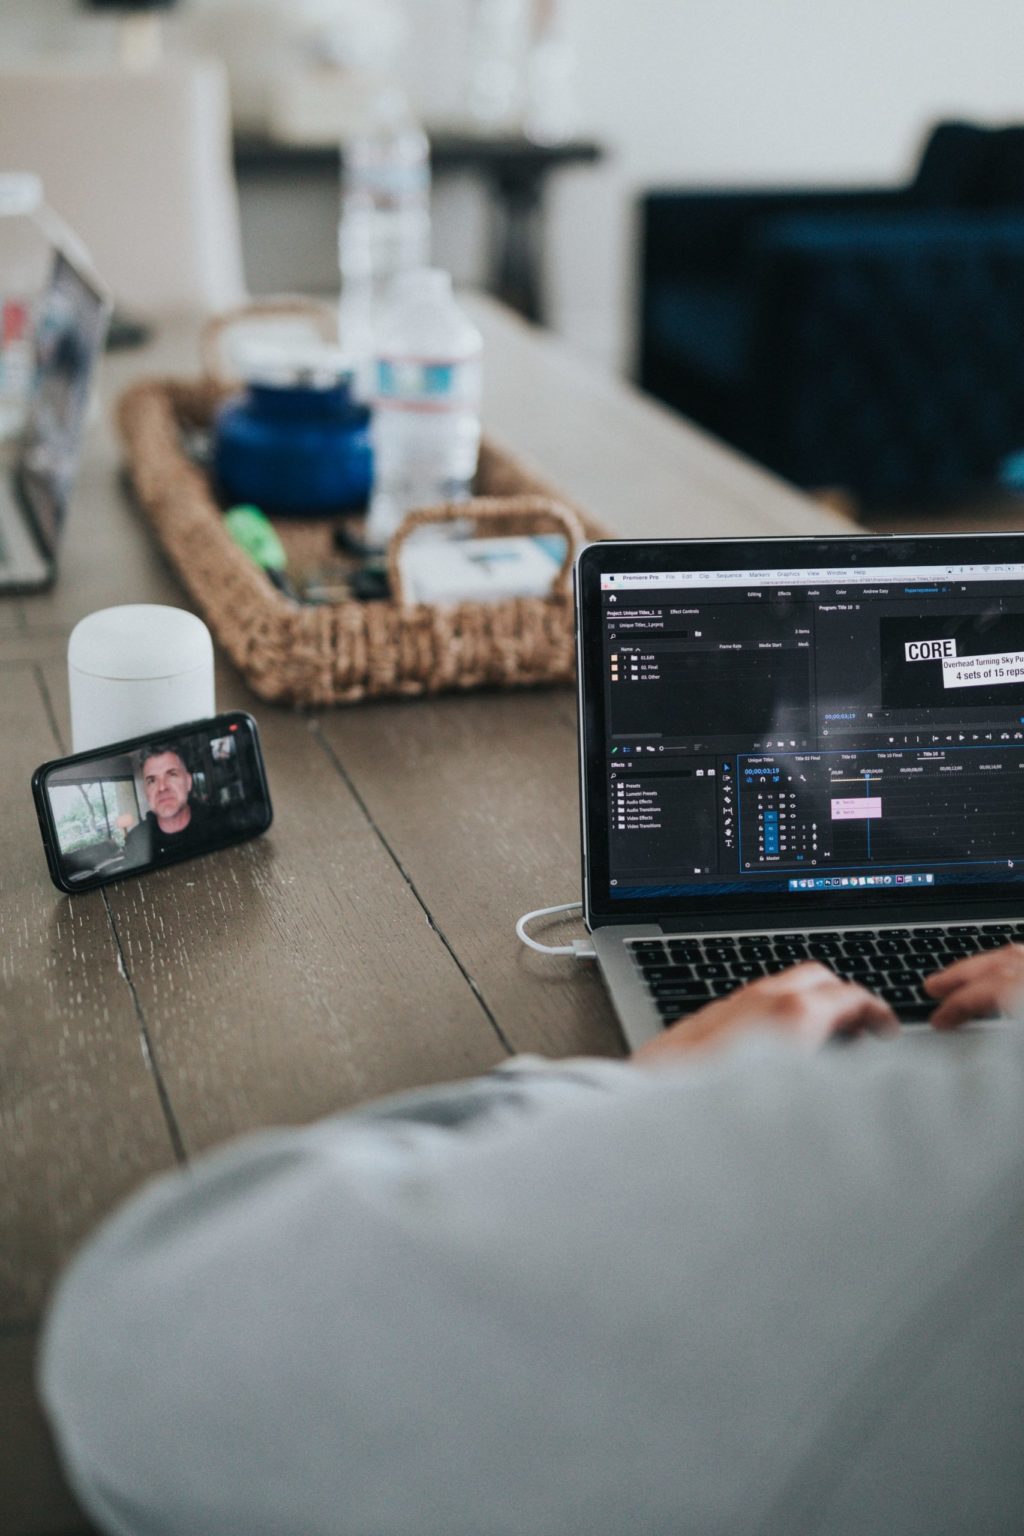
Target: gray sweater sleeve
762,1292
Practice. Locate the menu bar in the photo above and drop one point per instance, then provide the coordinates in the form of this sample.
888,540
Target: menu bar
804,576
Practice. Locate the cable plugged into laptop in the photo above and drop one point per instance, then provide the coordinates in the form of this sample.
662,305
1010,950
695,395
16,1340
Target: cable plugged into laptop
580,949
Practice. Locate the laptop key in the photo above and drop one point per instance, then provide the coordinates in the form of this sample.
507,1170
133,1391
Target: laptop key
711,969
850,965
688,994
918,1012
666,991
669,975
901,979
895,996
747,970
642,946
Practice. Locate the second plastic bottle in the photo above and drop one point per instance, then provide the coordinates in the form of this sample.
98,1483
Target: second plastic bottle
426,420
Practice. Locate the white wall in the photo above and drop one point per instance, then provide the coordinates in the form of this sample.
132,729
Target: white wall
696,91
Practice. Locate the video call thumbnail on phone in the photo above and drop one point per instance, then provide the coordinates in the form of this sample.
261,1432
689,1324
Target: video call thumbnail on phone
174,796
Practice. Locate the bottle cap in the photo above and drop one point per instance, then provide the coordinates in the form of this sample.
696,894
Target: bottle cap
285,362
21,193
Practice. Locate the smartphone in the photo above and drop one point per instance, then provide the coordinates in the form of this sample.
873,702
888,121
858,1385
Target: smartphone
140,804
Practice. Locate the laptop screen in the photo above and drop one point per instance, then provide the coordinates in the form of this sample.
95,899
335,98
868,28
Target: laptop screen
70,328
802,724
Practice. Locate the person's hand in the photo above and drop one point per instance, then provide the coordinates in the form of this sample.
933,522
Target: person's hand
807,1003
985,986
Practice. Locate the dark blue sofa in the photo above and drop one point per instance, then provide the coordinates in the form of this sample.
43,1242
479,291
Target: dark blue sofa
871,339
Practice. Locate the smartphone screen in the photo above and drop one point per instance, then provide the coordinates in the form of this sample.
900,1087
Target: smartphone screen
137,805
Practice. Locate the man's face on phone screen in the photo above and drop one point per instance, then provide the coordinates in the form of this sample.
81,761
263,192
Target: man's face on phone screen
167,782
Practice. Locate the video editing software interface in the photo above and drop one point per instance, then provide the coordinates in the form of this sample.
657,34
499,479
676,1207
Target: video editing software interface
814,730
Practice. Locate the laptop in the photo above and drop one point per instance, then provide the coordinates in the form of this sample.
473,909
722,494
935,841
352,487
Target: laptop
35,490
798,748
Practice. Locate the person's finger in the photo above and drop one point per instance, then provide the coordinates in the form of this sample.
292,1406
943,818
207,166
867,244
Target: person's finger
840,1005
854,1010
806,1002
806,973
814,1004
976,1000
973,967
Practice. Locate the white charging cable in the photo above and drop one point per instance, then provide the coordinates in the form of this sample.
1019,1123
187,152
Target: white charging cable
580,949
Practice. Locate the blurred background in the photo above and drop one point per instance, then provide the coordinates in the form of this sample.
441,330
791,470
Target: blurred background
551,120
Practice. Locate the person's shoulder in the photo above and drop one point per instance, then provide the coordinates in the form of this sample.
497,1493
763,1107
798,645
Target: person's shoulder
141,828
138,840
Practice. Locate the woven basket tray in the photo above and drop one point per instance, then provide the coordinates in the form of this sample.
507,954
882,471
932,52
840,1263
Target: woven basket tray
339,653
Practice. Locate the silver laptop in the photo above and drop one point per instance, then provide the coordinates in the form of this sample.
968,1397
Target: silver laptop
795,748
35,490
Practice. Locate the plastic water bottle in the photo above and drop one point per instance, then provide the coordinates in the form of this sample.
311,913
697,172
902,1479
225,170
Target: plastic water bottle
384,228
24,256
426,421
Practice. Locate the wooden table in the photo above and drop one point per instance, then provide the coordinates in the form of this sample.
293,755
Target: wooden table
366,944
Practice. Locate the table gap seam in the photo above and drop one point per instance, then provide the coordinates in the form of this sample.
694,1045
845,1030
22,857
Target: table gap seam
148,1048
470,981
51,713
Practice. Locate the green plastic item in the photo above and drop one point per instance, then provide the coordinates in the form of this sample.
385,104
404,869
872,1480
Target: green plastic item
255,533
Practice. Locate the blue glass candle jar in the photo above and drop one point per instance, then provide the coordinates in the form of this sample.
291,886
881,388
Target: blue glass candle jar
295,443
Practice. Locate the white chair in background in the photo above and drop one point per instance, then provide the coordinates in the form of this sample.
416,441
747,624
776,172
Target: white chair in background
139,164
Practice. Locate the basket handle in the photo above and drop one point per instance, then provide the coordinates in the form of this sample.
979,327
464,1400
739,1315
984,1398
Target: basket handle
494,515
212,334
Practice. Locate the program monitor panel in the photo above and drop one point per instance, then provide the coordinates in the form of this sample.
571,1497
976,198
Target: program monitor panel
803,731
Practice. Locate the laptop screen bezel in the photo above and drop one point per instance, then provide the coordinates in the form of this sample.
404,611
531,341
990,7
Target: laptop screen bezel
793,909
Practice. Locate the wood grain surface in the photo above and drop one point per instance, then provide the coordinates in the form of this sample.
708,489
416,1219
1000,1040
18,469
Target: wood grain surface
481,806
296,974
366,943
80,1115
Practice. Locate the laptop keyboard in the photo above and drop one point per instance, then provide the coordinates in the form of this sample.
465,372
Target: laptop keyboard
684,973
